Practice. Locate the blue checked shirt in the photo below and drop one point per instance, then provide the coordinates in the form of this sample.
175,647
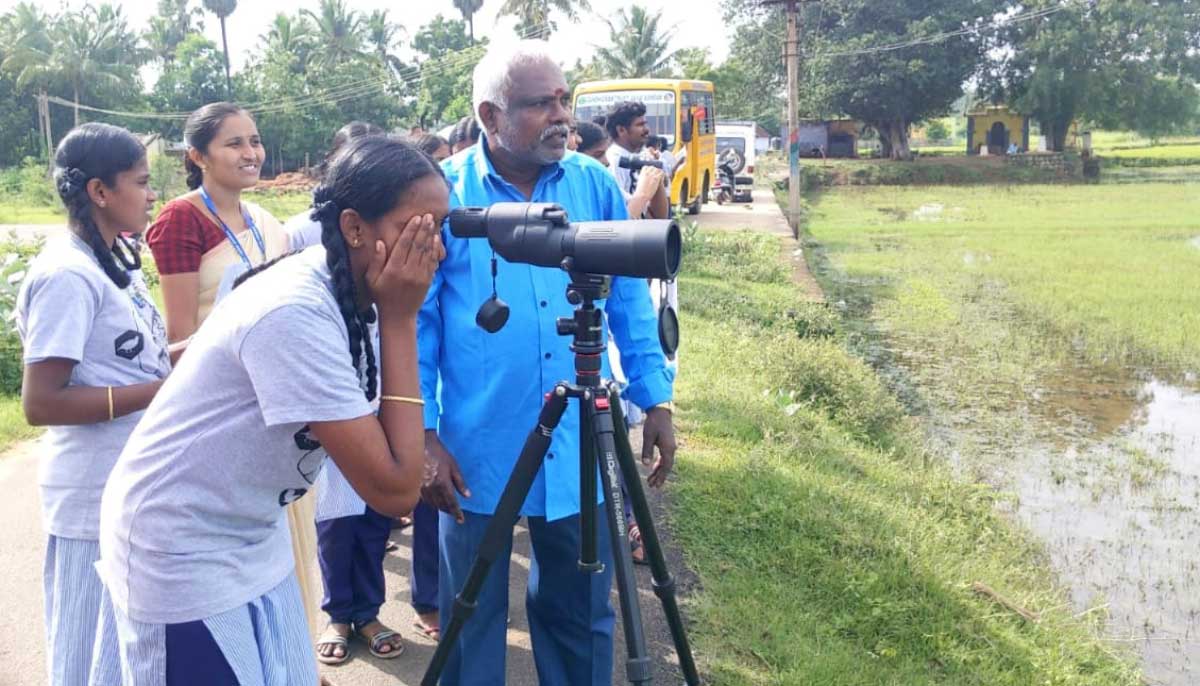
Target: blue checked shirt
483,392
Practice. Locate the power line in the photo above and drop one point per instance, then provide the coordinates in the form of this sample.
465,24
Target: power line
939,37
409,76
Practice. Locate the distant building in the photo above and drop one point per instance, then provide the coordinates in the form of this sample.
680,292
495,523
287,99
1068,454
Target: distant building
829,137
996,127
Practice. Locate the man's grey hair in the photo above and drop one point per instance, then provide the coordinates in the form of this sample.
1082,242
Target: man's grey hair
493,77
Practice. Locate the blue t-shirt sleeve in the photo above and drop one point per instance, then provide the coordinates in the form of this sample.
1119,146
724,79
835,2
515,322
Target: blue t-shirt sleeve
311,378
59,311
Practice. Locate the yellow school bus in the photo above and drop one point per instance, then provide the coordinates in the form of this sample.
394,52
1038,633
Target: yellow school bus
681,111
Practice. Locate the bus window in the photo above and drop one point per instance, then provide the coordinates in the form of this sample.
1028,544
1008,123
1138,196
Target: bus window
660,108
701,103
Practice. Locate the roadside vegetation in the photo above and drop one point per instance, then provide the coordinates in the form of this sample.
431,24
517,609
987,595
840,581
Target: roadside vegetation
832,549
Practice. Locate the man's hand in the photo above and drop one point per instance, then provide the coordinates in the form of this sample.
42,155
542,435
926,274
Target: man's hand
442,478
658,431
650,181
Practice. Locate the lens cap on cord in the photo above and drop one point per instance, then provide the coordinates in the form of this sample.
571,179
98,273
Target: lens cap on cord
492,315
668,330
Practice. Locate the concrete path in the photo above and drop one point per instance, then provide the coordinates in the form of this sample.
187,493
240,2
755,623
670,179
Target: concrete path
22,638
29,232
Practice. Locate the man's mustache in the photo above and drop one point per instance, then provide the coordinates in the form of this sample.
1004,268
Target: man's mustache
556,130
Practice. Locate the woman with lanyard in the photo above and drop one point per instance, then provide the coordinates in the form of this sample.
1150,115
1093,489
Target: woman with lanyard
194,557
204,239
95,356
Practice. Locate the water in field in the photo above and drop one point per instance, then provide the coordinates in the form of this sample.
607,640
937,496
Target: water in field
1104,466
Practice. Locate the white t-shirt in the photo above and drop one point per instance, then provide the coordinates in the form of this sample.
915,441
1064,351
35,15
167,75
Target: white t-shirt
624,177
336,498
68,308
192,522
302,231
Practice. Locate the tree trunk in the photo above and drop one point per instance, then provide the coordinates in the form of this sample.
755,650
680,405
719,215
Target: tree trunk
898,137
471,27
76,105
225,44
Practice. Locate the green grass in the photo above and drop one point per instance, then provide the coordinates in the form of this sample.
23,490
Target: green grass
18,213
1112,272
830,549
12,423
282,206
1166,152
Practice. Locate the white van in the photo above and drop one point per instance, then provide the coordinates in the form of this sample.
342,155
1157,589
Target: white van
736,144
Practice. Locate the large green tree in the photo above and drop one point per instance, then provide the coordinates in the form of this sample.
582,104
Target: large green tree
533,16
90,51
340,33
447,60
292,39
223,8
194,77
172,22
638,46
1114,62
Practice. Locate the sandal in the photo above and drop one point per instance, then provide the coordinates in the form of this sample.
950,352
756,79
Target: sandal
429,631
332,637
379,639
636,550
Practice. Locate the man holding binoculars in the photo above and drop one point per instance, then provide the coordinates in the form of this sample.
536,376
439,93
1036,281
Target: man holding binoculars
642,180
485,370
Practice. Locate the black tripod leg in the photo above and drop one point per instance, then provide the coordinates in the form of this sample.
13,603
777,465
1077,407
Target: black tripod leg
637,666
587,489
507,512
664,584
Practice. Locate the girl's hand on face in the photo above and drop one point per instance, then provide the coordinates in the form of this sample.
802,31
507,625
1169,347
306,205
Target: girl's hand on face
398,279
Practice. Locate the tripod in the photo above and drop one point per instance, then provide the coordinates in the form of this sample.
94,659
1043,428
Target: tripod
604,448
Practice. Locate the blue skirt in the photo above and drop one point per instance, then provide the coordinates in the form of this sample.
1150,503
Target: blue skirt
262,643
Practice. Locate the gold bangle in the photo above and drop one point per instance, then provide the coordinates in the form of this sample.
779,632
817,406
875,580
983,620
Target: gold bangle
110,405
402,399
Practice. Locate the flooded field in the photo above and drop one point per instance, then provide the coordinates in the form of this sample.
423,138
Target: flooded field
1053,359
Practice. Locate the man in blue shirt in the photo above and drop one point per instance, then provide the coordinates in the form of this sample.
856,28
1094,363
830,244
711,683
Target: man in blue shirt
483,392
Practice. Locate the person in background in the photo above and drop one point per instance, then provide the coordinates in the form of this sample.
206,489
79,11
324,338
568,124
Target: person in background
352,539
433,145
200,587
209,235
95,354
593,141
645,190
203,240
466,134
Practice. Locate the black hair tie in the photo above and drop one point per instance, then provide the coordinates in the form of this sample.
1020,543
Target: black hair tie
326,210
71,181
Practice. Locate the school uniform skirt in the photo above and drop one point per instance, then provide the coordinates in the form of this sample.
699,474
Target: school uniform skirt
72,601
262,643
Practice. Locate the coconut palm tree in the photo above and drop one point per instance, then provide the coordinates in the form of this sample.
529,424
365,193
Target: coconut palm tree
172,23
223,8
339,30
84,50
468,9
639,48
534,15
381,35
291,35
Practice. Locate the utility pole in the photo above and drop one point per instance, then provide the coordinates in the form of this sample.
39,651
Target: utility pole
791,53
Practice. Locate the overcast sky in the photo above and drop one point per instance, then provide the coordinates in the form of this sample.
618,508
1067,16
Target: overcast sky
696,23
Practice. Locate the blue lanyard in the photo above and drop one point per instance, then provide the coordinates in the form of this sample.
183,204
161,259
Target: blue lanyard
233,240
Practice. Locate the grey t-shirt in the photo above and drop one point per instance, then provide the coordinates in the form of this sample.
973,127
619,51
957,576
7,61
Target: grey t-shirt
192,522
68,308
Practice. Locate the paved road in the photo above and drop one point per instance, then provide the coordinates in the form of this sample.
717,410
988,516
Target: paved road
22,548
